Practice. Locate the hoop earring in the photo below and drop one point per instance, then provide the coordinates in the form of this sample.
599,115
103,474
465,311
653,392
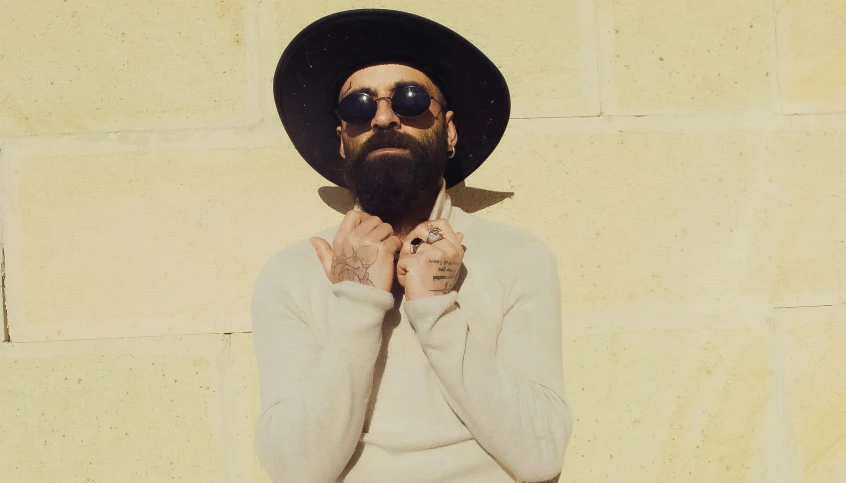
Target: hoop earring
451,152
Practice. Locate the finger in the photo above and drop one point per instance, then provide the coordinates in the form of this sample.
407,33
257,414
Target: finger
450,235
381,232
446,231
406,257
351,220
402,263
418,232
393,244
401,273
366,226
324,254
461,242
422,231
422,248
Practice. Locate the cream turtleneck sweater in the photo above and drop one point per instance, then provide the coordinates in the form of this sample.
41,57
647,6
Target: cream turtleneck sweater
361,386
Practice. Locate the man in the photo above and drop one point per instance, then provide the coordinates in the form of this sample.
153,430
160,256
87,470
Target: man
414,342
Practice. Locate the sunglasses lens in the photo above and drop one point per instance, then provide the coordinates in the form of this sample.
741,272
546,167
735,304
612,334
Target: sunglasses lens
410,101
357,108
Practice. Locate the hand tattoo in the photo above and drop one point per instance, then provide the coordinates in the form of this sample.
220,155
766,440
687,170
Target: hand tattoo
356,267
448,272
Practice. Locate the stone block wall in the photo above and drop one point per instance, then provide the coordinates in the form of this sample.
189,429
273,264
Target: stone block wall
686,160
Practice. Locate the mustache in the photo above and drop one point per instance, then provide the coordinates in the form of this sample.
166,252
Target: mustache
388,139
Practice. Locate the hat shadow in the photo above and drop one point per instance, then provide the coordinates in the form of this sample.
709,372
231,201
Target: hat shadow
468,199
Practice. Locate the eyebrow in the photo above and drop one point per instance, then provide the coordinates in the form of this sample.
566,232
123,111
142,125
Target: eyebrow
372,92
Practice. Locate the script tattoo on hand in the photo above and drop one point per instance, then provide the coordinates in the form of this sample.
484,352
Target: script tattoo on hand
448,273
356,267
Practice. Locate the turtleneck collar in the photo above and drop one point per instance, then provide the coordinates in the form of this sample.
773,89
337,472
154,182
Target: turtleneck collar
443,205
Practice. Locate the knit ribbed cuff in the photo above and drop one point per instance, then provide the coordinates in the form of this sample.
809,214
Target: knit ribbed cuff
355,306
424,313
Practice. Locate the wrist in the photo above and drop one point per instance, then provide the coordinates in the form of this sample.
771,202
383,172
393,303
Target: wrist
420,293
424,313
364,294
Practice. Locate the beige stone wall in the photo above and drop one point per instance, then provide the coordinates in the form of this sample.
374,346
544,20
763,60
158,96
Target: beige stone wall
686,159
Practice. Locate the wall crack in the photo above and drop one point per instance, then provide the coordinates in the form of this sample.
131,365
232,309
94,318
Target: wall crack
5,314
804,306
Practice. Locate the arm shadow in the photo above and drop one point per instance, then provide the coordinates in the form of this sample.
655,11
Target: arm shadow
468,199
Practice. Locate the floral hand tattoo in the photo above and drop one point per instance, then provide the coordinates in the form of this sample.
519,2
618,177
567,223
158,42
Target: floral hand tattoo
355,267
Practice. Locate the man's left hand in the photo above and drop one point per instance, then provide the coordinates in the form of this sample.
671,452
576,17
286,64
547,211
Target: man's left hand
434,269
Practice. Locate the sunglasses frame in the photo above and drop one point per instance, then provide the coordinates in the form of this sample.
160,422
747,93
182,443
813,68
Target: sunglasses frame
390,103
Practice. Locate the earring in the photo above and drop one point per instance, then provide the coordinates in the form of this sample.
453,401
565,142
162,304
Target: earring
451,152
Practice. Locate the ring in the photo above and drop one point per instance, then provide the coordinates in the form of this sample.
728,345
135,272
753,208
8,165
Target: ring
415,244
435,234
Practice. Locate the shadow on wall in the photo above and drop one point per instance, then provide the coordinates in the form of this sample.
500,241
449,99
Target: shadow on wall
468,199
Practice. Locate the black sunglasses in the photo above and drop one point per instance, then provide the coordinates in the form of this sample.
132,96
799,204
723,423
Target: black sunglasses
408,101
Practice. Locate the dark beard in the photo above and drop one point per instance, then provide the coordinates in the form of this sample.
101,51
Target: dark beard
393,186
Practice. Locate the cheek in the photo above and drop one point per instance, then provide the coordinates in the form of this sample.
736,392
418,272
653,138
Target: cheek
420,136
353,138
352,131
350,146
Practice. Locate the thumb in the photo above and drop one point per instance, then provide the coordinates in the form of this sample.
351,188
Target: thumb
324,254
460,237
394,244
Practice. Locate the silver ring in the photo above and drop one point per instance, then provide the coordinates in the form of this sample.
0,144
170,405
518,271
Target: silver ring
433,238
435,234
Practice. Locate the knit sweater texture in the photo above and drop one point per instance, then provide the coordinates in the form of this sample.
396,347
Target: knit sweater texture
359,385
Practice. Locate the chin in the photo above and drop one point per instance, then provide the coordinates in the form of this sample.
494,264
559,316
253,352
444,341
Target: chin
393,193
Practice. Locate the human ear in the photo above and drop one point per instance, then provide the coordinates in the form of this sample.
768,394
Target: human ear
452,133
339,132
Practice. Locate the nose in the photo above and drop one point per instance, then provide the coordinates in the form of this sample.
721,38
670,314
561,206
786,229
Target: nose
385,117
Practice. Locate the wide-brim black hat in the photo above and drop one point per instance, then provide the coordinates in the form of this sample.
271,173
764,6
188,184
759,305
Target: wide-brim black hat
308,80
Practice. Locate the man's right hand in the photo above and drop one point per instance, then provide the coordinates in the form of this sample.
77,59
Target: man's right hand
362,251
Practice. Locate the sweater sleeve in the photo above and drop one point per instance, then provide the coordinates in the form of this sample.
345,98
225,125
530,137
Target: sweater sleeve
314,393
510,397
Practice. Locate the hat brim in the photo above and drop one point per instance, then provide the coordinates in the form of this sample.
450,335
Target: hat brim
309,74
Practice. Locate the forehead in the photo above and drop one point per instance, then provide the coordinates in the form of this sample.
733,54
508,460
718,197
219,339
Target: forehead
382,77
